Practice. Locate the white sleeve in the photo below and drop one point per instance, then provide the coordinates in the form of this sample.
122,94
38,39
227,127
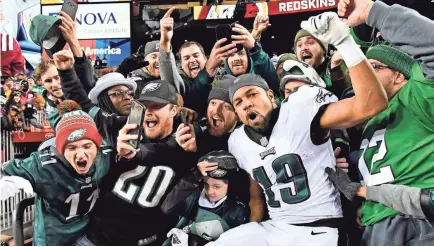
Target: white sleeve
318,100
232,148
321,97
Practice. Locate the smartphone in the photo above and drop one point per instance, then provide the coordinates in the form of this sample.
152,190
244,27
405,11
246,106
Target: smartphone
225,31
183,118
136,117
70,7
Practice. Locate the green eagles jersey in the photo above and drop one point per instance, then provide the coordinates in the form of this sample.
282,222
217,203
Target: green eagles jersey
398,143
38,89
63,197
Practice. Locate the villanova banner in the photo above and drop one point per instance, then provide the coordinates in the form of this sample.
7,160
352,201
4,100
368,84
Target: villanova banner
98,21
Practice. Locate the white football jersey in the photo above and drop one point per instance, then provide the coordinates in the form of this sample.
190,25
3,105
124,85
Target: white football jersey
289,166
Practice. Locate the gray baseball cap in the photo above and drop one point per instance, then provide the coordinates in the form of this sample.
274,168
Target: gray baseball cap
247,80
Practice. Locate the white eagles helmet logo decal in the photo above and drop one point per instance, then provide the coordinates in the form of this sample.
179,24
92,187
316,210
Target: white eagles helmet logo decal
76,135
218,173
309,75
151,87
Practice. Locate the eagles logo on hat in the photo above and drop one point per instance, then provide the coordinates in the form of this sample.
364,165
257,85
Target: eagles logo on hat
45,32
227,164
151,87
218,173
76,135
75,125
159,91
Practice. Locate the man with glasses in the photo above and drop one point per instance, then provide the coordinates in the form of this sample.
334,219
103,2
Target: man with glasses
108,103
113,94
397,146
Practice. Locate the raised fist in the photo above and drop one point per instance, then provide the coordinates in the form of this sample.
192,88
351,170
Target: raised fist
327,27
64,60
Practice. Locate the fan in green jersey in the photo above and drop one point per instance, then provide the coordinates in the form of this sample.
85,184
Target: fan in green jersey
65,179
397,144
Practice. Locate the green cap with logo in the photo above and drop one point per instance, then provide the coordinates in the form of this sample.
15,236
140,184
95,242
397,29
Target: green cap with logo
45,32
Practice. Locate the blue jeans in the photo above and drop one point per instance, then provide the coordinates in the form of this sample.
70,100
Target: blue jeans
83,241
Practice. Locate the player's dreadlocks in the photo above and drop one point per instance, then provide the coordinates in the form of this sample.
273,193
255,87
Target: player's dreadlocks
105,102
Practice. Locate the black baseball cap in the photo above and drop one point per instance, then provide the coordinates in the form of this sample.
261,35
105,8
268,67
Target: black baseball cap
227,164
159,91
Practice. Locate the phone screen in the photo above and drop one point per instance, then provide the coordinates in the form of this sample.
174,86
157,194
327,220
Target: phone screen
225,31
136,117
70,8
183,117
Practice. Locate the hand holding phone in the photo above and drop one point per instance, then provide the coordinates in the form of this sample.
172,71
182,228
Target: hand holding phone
185,136
225,31
70,7
242,36
136,117
183,117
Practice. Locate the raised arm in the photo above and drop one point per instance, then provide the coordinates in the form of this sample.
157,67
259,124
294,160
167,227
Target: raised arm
184,196
404,28
82,66
168,69
108,124
370,97
408,200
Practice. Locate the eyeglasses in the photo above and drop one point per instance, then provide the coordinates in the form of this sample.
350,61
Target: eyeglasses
378,66
121,94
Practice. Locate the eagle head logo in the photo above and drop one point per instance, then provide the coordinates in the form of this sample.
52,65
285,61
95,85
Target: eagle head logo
151,87
76,135
218,173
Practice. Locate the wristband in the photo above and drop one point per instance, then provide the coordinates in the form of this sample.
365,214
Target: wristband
350,51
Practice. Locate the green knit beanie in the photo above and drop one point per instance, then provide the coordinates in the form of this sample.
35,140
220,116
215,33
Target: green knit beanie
303,33
392,57
284,57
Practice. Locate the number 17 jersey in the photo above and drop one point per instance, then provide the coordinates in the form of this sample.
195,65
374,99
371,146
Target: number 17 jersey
288,165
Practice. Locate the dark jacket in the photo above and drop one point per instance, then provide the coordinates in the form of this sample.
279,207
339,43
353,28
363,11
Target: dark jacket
86,76
141,77
83,69
183,201
194,91
197,90
336,79
260,64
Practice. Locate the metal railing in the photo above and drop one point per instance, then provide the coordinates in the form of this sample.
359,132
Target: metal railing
7,208
8,151
7,146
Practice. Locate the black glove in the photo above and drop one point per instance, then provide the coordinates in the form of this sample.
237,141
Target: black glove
427,203
343,182
131,63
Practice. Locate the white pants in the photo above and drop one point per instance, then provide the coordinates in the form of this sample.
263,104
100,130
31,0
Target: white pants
277,233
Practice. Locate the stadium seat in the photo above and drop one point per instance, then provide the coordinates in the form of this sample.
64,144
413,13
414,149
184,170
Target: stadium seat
18,221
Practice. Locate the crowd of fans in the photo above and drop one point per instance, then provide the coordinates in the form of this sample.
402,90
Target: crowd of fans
203,172
23,103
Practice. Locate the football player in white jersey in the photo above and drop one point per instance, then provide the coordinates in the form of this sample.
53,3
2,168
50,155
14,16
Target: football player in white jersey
286,149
